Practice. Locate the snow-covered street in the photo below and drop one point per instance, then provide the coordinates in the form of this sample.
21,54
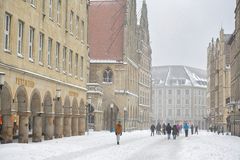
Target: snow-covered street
138,145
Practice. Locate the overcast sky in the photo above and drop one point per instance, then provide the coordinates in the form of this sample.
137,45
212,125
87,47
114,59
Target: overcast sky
180,30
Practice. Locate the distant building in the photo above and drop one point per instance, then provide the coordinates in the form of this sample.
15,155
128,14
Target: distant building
179,94
219,80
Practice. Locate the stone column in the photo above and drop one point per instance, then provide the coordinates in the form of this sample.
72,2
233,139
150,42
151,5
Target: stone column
7,130
67,129
49,127
98,120
37,128
58,126
75,125
81,124
23,127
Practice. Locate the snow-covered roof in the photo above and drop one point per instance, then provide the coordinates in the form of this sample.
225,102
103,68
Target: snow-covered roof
179,76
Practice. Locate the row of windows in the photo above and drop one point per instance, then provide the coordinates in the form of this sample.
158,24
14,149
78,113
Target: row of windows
144,78
41,46
57,9
170,101
144,98
170,92
178,113
179,92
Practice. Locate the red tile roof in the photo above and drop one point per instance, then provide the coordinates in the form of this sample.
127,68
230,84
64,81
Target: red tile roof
106,29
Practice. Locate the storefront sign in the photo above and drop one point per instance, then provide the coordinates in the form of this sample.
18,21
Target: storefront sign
27,83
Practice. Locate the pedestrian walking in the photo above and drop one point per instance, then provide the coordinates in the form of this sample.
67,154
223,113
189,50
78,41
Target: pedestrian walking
192,127
164,128
118,131
169,130
196,129
175,131
222,130
158,129
1,124
186,127
152,128
218,130
178,129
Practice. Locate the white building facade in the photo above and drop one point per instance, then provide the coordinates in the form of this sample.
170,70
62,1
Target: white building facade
179,94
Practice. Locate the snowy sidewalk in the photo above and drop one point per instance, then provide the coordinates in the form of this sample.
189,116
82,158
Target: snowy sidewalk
138,145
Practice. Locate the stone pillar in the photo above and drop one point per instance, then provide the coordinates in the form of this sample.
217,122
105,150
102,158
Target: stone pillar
37,128
98,120
7,130
67,129
75,125
81,124
23,127
58,126
49,127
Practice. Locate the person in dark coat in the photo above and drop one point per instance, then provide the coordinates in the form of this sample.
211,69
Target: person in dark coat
192,128
222,130
164,128
175,131
158,128
169,130
152,129
196,130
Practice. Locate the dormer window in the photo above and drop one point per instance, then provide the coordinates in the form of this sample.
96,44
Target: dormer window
107,75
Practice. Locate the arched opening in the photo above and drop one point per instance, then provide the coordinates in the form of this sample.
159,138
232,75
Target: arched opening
20,119
107,75
91,119
58,120
67,118
111,116
48,127
75,116
35,119
6,129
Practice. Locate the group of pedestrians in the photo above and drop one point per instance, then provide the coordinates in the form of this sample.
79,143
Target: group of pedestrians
173,130
218,129
162,129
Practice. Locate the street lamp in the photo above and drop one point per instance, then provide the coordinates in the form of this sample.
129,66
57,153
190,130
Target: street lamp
58,95
2,77
111,123
124,117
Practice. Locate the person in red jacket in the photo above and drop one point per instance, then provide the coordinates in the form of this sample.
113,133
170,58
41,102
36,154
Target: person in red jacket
118,131
1,124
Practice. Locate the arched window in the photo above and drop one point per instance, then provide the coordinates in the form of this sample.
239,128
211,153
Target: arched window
107,75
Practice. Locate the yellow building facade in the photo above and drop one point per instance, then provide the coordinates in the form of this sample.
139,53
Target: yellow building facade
44,56
219,76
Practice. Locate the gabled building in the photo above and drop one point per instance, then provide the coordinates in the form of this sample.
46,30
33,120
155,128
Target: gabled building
115,60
